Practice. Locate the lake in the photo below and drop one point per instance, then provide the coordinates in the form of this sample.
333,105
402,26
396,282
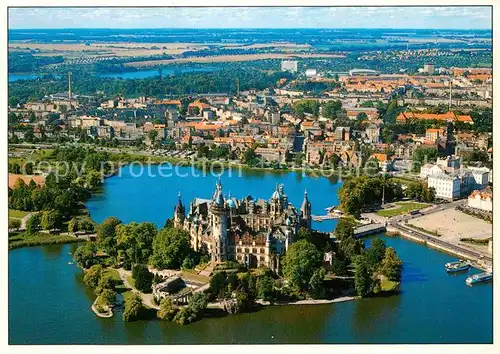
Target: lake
27,76
140,74
144,74
48,303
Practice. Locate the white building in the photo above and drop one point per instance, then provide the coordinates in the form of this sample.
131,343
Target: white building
373,133
481,176
481,200
311,72
447,187
428,68
289,65
449,162
430,169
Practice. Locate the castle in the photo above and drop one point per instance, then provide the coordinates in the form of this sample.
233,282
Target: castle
252,232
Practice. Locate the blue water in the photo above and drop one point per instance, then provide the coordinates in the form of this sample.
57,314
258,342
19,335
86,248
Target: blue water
17,77
48,304
144,74
153,199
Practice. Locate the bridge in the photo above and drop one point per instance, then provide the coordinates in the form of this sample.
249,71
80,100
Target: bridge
368,229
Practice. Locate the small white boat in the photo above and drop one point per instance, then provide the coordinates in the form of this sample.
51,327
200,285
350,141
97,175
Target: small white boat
479,278
460,265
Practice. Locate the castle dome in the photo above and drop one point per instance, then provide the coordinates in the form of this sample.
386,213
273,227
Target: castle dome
231,203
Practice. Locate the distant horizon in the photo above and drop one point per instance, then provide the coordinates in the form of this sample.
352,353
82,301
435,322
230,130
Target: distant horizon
258,17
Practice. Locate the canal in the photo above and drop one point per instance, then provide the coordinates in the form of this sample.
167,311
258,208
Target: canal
48,303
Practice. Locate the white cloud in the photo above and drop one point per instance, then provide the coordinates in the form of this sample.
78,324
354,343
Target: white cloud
333,17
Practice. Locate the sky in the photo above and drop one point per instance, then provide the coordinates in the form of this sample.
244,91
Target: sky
257,17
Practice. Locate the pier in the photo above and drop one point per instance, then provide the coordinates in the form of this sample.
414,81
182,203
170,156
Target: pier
325,217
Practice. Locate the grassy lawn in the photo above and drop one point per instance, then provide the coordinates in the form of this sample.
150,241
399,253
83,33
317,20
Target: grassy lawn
17,214
119,286
403,207
403,180
190,275
388,285
23,240
131,280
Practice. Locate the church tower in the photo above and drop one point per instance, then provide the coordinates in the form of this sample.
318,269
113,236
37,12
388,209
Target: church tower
179,213
305,212
219,218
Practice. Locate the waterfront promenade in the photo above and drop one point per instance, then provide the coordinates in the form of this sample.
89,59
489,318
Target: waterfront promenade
401,225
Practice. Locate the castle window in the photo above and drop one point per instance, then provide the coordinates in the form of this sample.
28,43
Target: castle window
246,250
262,258
254,250
262,250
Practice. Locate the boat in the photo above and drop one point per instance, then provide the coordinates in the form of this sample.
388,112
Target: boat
458,266
479,278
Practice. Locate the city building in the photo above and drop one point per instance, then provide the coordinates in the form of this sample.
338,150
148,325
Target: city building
372,133
405,117
428,69
481,200
252,232
446,186
311,72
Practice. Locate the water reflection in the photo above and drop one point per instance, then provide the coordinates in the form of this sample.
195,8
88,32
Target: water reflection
52,252
371,312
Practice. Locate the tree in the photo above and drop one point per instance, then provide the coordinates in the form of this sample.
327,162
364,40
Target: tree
218,283
170,248
421,156
28,168
375,253
14,224
316,287
143,278
167,309
362,277
391,265
84,255
193,310
51,219
153,134
106,282
107,297
391,112
93,179
86,224
428,194
265,288
73,225
33,224
414,190
92,276
198,302
106,235
331,109
133,308
300,262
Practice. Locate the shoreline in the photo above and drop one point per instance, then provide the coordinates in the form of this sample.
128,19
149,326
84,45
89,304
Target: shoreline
309,301
108,314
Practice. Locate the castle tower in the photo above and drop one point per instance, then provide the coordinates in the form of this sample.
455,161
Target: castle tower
179,213
305,212
219,216
277,202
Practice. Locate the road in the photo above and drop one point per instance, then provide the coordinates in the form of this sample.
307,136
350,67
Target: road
433,209
446,245
147,299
